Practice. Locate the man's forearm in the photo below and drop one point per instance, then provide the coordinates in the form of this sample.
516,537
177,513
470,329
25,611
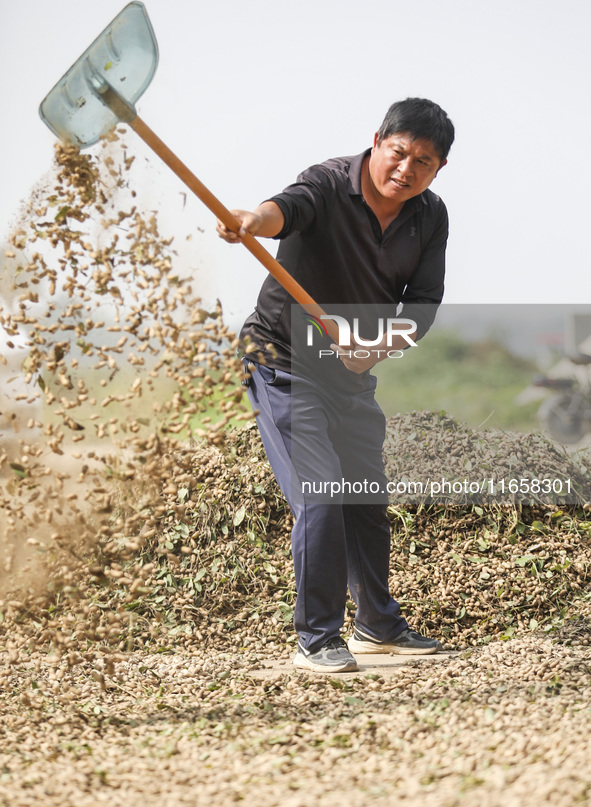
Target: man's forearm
272,219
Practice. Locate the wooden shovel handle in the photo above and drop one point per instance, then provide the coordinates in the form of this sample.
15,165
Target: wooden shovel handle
273,266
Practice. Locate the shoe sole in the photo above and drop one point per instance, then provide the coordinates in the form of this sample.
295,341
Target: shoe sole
358,646
303,663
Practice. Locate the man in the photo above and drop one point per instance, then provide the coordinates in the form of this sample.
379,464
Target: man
354,230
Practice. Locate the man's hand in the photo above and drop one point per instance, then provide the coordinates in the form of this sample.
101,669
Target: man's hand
360,363
352,362
267,220
249,223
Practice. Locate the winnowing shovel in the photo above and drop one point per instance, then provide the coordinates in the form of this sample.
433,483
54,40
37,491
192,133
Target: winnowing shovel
101,89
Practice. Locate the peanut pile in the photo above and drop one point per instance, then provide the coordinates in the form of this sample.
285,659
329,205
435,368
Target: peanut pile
451,463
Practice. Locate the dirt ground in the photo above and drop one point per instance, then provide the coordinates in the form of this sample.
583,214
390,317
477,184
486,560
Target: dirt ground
507,724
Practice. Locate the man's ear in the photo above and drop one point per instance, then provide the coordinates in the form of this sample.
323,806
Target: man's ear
440,167
375,140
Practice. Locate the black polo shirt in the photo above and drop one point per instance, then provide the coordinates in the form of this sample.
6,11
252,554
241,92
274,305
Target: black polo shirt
332,244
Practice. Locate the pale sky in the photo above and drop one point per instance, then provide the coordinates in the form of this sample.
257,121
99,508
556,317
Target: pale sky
250,93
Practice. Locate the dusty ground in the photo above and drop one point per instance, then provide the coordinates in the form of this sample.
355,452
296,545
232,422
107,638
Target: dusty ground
508,724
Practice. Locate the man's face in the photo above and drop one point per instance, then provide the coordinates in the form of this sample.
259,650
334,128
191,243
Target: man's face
400,167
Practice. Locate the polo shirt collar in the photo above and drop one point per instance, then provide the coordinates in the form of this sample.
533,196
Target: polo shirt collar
355,173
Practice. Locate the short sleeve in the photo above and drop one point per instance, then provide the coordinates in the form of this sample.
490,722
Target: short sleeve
305,200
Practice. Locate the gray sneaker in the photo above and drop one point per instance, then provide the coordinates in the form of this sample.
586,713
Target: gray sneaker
408,643
332,657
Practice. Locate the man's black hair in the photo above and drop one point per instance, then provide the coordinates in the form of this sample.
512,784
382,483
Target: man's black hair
422,119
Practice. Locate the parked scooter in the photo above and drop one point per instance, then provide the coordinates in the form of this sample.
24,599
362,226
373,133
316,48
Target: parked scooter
566,415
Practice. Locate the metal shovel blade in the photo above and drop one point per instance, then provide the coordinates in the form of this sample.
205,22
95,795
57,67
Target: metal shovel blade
101,89
124,57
